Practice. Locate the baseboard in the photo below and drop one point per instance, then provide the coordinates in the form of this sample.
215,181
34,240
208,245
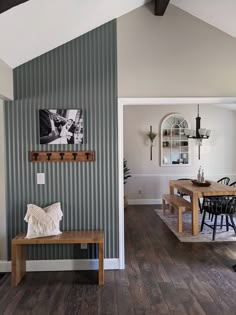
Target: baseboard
144,201
63,264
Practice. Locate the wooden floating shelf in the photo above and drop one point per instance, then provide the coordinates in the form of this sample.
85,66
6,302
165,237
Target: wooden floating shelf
62,156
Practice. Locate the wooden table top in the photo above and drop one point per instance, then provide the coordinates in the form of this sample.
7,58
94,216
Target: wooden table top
215,189
67,237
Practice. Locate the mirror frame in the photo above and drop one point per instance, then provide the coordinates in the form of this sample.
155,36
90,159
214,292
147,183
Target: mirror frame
170,141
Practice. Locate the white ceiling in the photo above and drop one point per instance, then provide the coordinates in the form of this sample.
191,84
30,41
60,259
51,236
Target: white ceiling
38,26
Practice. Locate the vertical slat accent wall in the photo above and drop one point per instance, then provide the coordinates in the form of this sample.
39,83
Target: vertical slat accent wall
79,74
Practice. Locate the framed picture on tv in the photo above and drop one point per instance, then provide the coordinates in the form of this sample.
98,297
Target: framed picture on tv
61,126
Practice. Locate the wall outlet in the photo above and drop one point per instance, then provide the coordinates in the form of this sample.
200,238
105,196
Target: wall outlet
40,179
84,246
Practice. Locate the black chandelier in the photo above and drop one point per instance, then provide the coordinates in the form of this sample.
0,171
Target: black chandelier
199,133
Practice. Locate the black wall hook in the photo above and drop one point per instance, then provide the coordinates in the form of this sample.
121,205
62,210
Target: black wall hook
87,155
49,156
75,155
62,155
36,156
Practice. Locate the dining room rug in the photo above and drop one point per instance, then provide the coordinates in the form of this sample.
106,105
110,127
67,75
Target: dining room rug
170,219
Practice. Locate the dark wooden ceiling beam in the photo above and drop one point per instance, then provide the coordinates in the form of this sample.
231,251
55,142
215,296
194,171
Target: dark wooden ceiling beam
160,6
8,4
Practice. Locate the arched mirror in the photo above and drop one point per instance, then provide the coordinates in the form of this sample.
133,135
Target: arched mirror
174,143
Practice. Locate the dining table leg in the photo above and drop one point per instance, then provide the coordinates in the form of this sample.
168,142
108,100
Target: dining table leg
171,188
195,224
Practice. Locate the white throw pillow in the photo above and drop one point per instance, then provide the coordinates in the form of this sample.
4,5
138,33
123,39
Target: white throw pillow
43,222
31,233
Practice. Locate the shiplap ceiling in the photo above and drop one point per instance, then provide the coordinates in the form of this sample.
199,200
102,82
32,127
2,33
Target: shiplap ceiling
38,26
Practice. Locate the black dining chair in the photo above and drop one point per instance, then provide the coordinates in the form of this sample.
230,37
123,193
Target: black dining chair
219,206
179,192
224,180
182,194
233,184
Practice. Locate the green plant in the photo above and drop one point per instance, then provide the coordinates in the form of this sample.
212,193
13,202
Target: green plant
126,172
151,135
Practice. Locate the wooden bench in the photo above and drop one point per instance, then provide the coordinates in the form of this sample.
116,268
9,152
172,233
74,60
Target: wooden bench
178,203
67,237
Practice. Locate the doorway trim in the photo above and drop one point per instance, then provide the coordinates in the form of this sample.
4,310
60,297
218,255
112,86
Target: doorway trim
148,101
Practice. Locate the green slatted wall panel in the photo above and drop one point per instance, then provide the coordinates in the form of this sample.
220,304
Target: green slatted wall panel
79,74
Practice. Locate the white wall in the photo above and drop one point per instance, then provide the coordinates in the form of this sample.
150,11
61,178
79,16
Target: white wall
174,55
6,81
3,224
149,180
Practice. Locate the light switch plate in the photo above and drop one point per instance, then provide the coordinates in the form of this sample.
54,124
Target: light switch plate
40,179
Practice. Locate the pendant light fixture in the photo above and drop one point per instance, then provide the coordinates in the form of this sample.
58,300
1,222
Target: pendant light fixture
199,133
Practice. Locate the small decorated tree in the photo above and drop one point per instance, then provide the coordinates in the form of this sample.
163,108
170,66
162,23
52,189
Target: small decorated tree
126,172
126,176
151,135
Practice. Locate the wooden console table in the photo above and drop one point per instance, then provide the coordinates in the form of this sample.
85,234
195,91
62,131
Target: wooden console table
67,237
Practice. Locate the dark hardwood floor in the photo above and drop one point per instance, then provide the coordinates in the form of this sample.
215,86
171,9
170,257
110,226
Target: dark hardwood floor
162,276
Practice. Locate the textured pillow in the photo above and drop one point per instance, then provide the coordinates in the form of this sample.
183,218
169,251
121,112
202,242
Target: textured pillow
43,222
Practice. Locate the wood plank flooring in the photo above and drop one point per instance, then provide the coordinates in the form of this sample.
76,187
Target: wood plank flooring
162,276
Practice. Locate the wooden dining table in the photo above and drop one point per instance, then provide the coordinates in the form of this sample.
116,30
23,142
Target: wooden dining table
195,192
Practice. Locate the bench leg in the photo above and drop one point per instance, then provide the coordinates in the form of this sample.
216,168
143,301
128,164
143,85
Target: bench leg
18,264
164,206
101,264
180,219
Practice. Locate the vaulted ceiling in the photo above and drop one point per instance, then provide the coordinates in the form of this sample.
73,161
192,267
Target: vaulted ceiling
6,4
37,26
218,13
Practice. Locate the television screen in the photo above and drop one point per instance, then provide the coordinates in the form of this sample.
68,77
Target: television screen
61,126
